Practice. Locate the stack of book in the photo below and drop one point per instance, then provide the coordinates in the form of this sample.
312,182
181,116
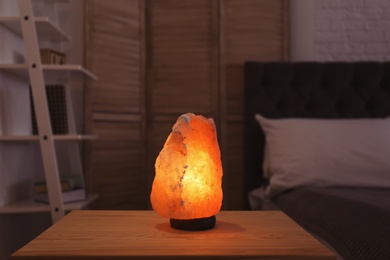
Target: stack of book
71,187
49,56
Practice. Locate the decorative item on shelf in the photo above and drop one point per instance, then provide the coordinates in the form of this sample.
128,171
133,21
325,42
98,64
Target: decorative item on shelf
74,195
187,186
49,56
56,101
72,188
68,182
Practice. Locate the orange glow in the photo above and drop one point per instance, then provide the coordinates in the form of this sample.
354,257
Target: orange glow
188,180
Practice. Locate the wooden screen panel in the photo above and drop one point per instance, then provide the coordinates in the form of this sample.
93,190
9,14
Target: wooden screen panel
114,104
195,52
249,30
113,54
182,41
115,164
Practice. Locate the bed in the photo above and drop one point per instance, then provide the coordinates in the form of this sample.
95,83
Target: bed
317,146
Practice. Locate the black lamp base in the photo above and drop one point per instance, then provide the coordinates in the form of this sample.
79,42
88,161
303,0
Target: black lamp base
195,224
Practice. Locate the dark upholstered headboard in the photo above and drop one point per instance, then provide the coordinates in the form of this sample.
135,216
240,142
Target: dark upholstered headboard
309,90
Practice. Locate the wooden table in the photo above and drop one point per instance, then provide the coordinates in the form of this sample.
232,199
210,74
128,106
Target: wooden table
142,234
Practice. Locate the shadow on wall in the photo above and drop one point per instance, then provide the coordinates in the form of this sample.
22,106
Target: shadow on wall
16,230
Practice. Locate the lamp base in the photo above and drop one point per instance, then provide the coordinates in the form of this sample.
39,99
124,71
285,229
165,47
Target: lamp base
195,224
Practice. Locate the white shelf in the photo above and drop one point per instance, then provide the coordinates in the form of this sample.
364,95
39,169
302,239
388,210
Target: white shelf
46,30
74,137
34,30
30,206
50,71
68,137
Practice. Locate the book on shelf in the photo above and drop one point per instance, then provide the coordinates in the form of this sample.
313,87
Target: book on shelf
69,182
67,196
49,56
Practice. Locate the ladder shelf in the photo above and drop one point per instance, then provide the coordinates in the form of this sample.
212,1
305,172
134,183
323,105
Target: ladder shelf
33,30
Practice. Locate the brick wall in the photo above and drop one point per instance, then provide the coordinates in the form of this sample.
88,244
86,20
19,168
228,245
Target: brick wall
350,30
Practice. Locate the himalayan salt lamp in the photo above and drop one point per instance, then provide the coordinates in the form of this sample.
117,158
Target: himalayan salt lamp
187,186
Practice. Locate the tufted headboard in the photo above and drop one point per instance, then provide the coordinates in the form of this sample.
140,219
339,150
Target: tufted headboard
309,90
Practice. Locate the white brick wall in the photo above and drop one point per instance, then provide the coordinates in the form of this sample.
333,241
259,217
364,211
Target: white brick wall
350,30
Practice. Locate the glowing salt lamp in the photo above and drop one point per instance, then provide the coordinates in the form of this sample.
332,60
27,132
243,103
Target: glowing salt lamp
187,186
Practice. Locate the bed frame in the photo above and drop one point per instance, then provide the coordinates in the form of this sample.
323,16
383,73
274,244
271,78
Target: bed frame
308,90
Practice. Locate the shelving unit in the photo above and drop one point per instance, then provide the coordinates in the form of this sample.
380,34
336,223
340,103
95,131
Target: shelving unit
34,30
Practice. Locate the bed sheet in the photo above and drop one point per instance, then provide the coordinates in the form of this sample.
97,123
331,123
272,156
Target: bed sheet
355,222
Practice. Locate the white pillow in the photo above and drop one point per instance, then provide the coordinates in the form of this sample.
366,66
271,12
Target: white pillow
326,153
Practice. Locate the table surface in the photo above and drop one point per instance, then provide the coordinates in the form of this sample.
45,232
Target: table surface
139,234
